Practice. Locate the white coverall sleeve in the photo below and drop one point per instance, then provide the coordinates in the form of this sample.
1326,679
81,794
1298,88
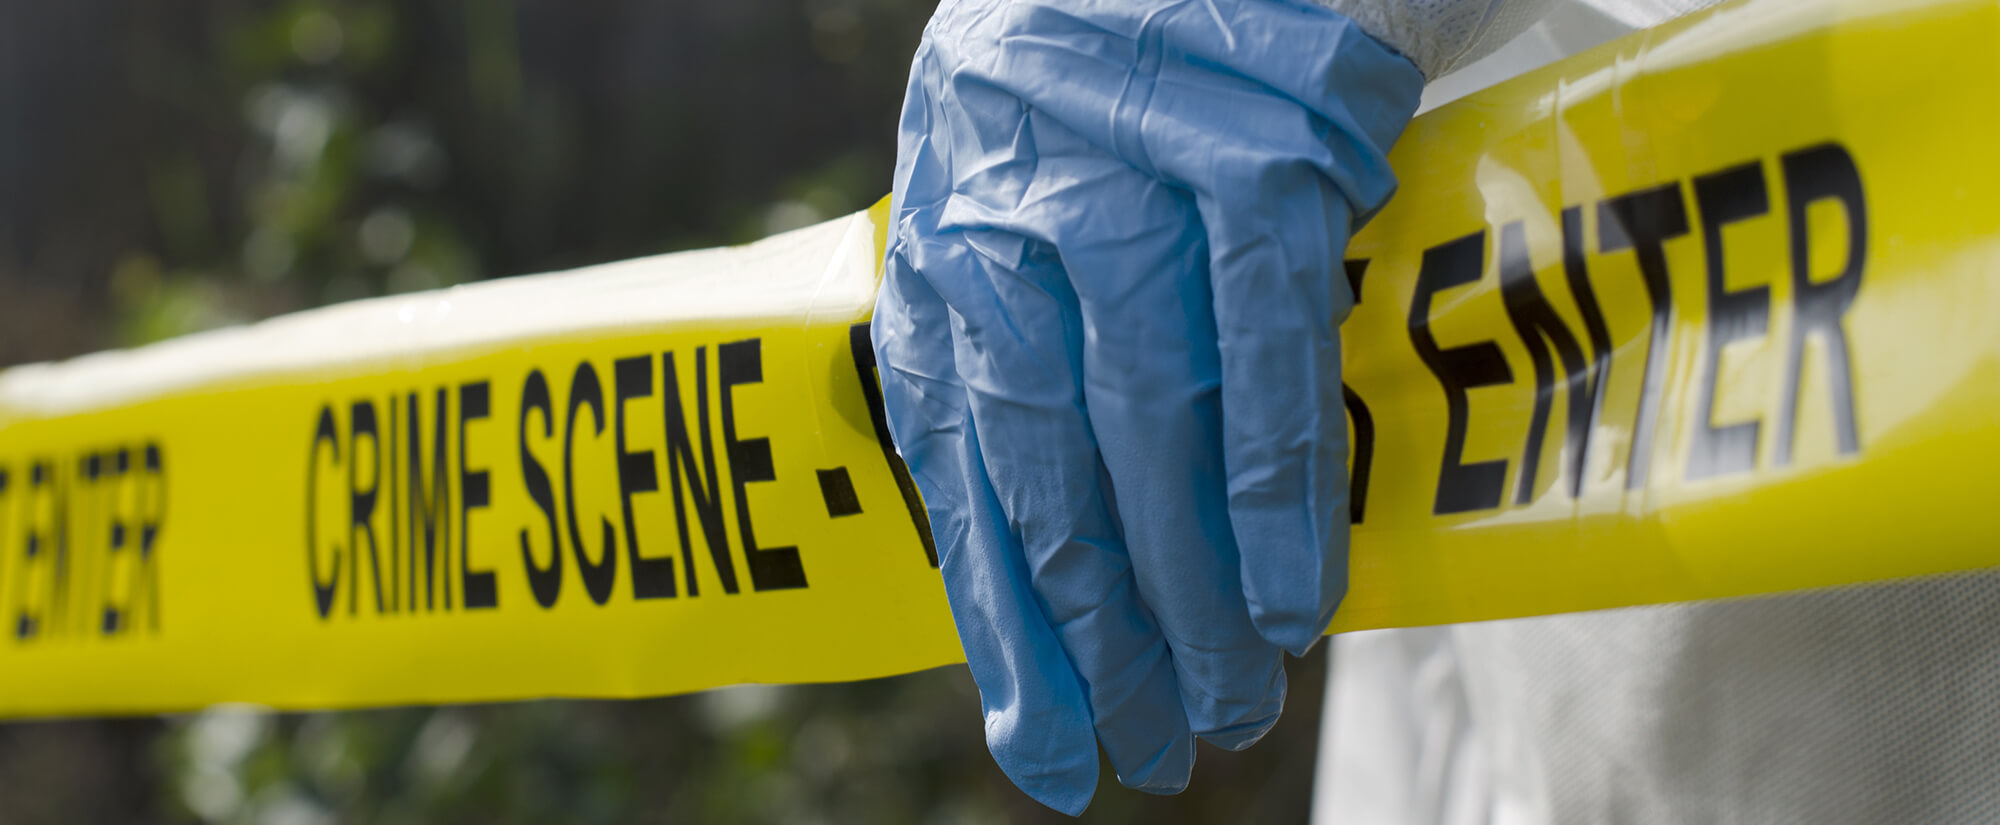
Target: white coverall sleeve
1442,35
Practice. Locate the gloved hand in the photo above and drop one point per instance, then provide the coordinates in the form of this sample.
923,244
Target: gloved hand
1108,338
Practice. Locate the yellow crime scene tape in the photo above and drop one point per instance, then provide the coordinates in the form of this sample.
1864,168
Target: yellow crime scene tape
1703,313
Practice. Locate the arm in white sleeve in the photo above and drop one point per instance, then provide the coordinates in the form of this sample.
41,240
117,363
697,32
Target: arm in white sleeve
1440,35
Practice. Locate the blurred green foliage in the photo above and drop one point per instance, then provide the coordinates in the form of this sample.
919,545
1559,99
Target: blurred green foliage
171,167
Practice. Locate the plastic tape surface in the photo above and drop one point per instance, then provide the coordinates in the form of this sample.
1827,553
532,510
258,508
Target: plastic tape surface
1704,313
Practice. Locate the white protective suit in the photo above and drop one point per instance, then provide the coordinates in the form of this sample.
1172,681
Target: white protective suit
1855,705
1860,705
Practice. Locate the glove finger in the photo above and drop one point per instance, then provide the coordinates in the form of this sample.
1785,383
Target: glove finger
1016,341
1017,346
1037,715
1277,309
1278,202
1151,378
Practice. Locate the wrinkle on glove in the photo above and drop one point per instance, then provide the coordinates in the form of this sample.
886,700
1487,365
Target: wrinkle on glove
1108,338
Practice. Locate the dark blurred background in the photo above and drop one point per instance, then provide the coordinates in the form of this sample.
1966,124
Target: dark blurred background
176,165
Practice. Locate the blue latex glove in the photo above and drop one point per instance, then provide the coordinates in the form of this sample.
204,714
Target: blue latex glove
1108,333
